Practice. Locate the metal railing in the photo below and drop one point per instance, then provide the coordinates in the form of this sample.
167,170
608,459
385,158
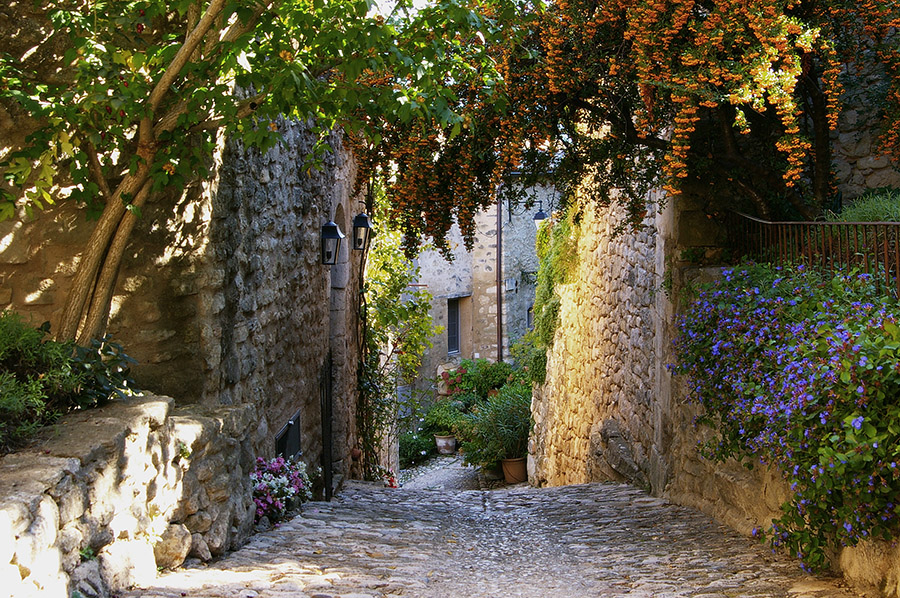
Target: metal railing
831,247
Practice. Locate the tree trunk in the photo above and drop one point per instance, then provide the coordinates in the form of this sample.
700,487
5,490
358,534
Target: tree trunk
98,311
94,254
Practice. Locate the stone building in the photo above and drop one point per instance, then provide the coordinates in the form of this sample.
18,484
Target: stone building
465,290
610,410
247,345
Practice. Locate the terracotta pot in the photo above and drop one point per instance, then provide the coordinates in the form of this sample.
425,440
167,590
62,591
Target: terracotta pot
515,471
446,445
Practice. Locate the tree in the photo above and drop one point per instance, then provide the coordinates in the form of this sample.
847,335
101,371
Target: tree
127,97
740,95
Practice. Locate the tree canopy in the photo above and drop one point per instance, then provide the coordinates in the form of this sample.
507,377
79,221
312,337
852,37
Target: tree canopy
126,97
632,95
445,102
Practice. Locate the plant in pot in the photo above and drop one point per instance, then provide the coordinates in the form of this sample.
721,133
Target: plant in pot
443,420
499,430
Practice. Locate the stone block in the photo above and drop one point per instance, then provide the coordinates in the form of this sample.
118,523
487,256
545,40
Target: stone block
217,536
127,563
88,581
173,546
199,548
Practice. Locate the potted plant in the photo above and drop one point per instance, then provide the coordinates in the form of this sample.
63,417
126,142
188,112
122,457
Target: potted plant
499,430
443,420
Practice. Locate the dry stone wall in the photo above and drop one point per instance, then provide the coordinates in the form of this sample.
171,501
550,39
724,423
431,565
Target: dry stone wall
593,417
112,494
224,303
610,408
221,297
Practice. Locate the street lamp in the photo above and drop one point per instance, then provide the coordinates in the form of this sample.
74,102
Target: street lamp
331,243
540,215
362,227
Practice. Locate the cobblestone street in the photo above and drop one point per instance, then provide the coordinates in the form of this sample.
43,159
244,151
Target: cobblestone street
592,540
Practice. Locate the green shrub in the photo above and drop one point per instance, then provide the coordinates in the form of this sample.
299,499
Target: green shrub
876,205
802,371
476,378
500,426
43,379
444,417
531,359
415,447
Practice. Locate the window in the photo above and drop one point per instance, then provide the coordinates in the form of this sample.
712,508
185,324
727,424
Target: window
452,325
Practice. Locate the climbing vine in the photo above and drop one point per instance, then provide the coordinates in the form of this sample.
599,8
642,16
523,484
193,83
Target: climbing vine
397,330
801,371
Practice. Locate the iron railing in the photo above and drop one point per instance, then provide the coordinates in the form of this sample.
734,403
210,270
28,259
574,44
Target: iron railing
832,247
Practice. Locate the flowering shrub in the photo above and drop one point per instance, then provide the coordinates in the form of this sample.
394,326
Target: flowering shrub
801,371
277,481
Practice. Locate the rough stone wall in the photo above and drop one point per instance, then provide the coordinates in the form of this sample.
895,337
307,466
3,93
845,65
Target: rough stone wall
222,299
592,415
113,494
472,277
858,161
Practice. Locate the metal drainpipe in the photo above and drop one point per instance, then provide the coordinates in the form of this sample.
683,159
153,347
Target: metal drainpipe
499,277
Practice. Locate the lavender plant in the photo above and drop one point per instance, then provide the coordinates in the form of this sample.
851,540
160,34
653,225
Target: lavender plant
801,371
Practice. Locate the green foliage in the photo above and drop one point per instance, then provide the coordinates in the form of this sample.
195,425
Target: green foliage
499,427
119,64
397,331
876,205
557,243
445,417
415,447
802,371
105,368
43,379
530,358
476,378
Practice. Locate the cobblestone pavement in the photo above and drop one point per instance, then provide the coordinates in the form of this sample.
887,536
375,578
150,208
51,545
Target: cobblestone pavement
606,540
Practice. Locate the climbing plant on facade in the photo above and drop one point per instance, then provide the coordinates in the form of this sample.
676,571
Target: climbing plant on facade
801,371
741,95
125,98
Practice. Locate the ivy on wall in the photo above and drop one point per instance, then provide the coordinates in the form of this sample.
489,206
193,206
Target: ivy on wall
557,244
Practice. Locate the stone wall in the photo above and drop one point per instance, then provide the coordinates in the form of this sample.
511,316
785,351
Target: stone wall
471,276
221,297
594,416
110,495
610,408
223,301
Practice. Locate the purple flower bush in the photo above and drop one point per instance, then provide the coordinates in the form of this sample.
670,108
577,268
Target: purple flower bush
275,482
802,371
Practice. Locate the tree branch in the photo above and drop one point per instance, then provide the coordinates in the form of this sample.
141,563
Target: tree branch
193,39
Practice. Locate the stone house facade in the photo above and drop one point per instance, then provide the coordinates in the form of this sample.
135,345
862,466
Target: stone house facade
610,409
464,290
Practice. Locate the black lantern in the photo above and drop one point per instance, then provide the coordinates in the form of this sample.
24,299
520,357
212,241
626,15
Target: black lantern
331,243
362,226
541,215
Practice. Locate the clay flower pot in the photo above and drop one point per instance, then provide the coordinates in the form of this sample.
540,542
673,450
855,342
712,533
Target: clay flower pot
515,471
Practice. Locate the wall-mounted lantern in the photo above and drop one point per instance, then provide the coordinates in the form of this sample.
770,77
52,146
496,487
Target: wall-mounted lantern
362,227
540,215
331,243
